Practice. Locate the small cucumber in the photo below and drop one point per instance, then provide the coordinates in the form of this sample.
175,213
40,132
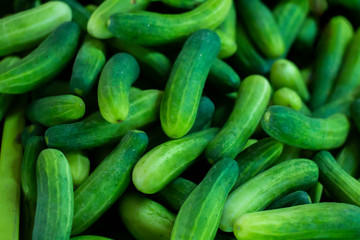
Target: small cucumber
289,98
107,182
80,14
80,167
253,97
55,197
186,82
200,214
119,73
164,163
222,77
349,157
260,191
295,129
290,200
310,221
307,35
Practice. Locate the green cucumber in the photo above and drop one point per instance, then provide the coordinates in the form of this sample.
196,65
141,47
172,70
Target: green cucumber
295,129
315,192
80,167
108,181
145,219
55,198
94,131
253,97
87,66
186,82
80,14
355,112
157,28
260,191
43,63
306,37
185,4
90,237
222,77
342,105
200,214
164,163
119,73
24,30
349,156
289,98
336,180
292,199
310,221
30,131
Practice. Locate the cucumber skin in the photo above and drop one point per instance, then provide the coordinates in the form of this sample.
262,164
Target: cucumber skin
290,200
310,221
43,63
295,129
186,82
112,175
55,205
253,97
260,191
200,214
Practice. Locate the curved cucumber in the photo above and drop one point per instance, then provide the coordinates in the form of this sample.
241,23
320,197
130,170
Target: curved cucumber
295,129
222,77
164,163
290,200
80,14
289,98
79,166
156,28
55,199
43,63
253,97
200,214
113,175
260,191
186,82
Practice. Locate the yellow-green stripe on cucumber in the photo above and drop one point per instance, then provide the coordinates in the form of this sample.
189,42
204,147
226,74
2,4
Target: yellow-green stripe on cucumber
186,82
55,197
296,129
260,191
289,98
108,181
292,199
253,97
79,165
200,214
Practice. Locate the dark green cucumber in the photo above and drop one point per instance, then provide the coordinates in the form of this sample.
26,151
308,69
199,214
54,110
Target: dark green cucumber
80,167
43,63
30,131
119,73
55,198
310,221
289,98
336,180
253,97
355,112
95,131
89,237
200,214
185,4
308,32
295,129
80,14
342,105
222,77
257,158
157,28
186,82
108,181
87,66
290,200
260,191
349,156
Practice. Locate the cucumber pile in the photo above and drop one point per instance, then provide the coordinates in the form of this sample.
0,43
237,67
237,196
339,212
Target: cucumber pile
179,119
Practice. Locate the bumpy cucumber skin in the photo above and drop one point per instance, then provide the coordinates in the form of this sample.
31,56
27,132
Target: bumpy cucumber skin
253,97
222,77
186,82
108,181
310,221
200,214
79,165
164,163
260,191
80,14
55,198
43,63
119,73
95,131
295,129
292,199
150,28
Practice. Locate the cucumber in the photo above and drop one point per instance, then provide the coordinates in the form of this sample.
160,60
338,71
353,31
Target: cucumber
342,105
113,175
186,82
55,198
290,200
289,98
24,30
260,191
200,214
164,163
315,192
145,219
80,14
87,66
185,4
349,156
307,35
222,77
336,180
253,97
94,131
51,111
295,129
157,28
119,73
80,167
43,63
30,131
355,112
89,237
310,221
